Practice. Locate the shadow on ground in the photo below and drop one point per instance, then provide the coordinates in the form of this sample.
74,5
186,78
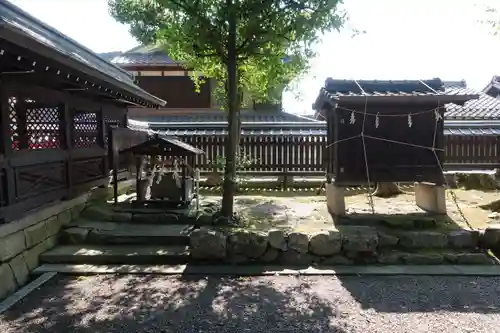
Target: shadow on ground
168,304
405,294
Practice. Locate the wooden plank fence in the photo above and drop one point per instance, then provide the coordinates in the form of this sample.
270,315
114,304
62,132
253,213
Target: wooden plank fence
305,155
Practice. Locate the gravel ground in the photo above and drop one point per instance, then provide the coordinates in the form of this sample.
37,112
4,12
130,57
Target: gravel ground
309,213
138,304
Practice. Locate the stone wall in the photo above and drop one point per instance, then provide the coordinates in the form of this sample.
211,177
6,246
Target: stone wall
22,241
363,246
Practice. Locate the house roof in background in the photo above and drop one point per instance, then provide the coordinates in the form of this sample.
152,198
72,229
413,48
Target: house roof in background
25,31
143,56
196,116
109,55
483,108
493,87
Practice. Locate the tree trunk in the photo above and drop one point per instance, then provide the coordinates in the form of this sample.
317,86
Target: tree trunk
387,190
233,135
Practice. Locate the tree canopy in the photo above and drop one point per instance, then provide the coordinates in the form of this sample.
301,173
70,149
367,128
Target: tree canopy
252,46
274,38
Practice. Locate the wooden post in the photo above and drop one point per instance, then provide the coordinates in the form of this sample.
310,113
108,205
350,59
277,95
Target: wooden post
184,180
7,133
138,163
21,123
113,152
287,158
65,137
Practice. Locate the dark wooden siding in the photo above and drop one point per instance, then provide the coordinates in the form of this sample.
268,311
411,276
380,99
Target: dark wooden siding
178,91
394,150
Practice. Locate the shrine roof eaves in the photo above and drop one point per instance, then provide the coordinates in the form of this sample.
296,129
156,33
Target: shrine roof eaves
24,30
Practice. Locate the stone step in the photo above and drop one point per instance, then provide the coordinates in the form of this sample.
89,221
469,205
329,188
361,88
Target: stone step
97,232
110,213
273,270
116,254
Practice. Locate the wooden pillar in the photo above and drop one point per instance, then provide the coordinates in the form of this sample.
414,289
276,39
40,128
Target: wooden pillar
328,151
65,137
21,118
101,127
497,152
184,180
6,144
138,169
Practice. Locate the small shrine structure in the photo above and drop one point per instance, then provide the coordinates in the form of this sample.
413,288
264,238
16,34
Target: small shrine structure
386,131
169,170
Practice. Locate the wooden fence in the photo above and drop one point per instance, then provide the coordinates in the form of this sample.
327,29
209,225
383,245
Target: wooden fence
305,155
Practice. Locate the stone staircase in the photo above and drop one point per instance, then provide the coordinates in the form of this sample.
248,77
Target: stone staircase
103,237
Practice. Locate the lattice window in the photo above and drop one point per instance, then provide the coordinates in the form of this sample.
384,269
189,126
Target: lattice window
85,129
33,125
42,126
14,135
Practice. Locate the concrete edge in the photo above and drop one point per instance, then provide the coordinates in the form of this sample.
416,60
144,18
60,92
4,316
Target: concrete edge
429,270
13,299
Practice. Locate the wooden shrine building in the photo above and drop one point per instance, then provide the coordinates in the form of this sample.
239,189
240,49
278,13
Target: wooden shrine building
384,131
56,98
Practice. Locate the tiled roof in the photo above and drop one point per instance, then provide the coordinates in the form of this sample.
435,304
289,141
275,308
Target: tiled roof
214,115
338,88
245,131
15,23
406,91
262,130
485,107
143,55
109,55
493,87
472,131
455,84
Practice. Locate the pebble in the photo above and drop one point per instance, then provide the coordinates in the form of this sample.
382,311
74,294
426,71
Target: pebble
311,304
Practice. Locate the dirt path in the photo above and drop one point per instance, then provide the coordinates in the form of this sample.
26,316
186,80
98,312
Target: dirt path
140,304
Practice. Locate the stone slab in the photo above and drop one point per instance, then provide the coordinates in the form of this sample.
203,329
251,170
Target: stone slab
12,300
32,256
129,233
41,214
429,270
11,245
36,233
7,281
19,269
116,254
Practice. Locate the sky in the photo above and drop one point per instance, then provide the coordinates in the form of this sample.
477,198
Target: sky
404,39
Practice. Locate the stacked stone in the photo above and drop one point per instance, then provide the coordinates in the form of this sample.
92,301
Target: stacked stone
360,245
